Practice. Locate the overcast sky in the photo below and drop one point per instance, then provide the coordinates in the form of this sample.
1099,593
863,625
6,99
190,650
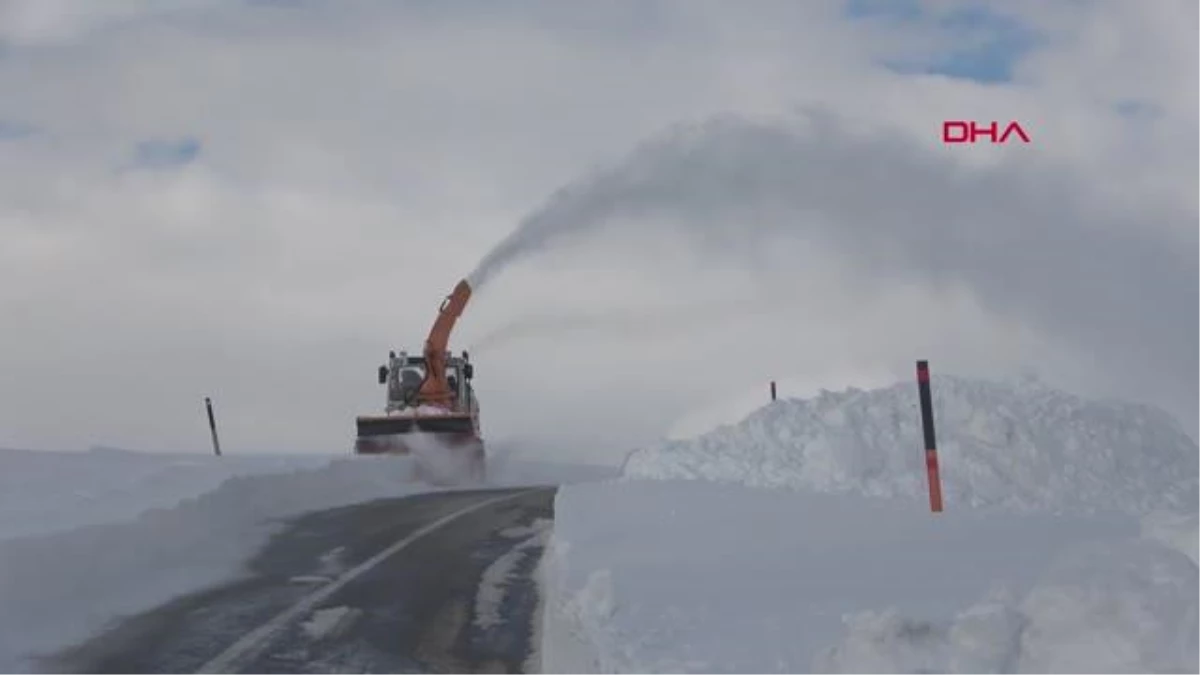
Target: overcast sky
255,200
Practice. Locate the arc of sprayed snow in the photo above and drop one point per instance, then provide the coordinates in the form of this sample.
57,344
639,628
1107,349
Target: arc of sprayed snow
252,643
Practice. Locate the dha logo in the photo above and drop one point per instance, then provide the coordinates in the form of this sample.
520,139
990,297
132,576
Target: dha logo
962,131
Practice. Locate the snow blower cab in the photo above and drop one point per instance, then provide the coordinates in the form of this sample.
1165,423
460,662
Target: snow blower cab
404,376
430,409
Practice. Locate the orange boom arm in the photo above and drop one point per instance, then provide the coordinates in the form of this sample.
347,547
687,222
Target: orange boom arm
435,389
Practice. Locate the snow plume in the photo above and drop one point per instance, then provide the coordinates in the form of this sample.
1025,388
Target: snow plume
620,322
657,178
438,462
1016,445
1028,241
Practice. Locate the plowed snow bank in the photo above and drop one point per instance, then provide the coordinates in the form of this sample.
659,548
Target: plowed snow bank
690,576
1068,544
1127,606
1017,445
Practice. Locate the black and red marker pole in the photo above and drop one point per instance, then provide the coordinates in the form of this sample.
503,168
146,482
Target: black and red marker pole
931,461
772,390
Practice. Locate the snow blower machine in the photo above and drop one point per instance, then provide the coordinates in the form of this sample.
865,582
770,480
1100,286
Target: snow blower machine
431,411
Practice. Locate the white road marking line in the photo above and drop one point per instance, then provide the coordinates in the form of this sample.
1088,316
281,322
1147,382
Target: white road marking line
253,642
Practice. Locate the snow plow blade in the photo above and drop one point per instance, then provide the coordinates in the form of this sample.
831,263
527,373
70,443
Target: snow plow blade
446,449
374,426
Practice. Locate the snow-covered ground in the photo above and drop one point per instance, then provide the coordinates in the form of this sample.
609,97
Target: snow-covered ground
86,537
1069,542
44,492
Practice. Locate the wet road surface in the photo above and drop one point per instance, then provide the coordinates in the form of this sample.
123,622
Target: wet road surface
430,583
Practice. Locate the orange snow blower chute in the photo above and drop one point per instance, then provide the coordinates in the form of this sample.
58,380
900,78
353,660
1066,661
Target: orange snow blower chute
430,398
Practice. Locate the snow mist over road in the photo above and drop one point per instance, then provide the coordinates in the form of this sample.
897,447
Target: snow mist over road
43,492
800,540
88,537
60,588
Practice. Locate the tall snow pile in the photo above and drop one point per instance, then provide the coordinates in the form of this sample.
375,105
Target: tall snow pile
1019,445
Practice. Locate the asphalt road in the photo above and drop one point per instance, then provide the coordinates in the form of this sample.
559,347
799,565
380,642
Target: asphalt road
397,585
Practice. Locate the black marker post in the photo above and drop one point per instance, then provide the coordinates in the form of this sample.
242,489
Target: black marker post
212,426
